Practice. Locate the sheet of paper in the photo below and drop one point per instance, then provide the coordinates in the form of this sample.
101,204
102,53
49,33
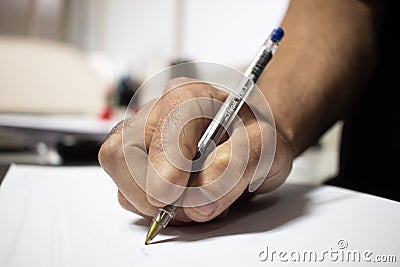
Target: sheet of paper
69,216
83,124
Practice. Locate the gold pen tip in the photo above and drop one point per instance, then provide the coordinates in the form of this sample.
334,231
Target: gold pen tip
154,229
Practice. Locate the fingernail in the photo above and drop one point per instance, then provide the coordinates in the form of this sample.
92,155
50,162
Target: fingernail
202,202
254,185
206,210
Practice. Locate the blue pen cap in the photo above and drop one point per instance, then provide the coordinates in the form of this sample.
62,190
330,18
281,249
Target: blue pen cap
277,34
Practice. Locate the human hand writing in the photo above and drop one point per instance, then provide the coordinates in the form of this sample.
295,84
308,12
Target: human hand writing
149,155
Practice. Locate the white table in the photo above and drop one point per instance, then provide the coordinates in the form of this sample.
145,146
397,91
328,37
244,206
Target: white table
69,216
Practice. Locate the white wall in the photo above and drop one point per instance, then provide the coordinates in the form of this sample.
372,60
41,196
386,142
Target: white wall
143,37
139,34
229,32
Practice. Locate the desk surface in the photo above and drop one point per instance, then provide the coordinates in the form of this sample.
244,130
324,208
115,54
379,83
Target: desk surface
69,216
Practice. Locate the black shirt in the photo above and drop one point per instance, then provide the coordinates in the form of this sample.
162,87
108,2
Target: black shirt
370,146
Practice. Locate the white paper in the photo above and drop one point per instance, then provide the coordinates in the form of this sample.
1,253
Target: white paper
69,216
83,124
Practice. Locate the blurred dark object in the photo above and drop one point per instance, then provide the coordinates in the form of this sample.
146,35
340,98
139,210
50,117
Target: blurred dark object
125,89
51,139
3,170
77,150
22,147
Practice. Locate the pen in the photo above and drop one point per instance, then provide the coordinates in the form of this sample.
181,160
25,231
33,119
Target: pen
222,120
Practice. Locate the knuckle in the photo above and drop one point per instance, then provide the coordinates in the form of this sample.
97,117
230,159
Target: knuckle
172,83
110,153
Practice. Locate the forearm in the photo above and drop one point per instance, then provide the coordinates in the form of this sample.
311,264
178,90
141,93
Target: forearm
321,65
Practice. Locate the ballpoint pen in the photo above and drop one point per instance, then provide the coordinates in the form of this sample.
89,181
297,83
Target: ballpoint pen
221,121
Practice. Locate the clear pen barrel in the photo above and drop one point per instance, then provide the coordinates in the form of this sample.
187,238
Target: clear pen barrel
164,215
226,114
235,101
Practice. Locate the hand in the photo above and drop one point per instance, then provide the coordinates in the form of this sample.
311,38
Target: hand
151,166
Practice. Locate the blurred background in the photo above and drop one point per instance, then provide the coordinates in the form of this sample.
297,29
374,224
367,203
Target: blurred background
68,69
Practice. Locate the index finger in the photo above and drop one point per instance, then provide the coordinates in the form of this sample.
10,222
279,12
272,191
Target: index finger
182,120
